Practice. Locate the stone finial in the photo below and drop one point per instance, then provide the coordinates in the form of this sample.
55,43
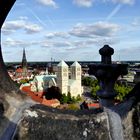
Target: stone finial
106,53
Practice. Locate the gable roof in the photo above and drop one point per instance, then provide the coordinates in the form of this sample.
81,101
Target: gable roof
62,64
75,64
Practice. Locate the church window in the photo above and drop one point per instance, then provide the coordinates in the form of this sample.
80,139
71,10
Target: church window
78,69
64,69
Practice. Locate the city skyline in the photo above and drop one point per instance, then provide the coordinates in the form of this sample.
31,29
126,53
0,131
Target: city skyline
71,30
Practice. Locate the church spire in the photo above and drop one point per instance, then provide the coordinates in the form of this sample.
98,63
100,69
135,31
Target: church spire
24,60
24,64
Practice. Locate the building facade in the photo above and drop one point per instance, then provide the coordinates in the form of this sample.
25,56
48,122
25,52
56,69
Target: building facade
72,84
62,77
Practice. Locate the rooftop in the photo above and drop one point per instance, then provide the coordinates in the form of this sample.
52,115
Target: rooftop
62,64
76,64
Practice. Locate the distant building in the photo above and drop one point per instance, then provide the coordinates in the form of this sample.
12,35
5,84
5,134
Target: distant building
137,77
41,83
19,72
22,72
72,84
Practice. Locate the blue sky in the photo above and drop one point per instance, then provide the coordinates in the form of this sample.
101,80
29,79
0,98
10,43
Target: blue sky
71,29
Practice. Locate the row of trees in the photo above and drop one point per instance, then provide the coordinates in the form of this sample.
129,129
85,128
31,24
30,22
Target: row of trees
69,99
121,90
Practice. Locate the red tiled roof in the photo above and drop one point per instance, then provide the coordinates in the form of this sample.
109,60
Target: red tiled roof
53,102
94,105
40,94
26,89
37,96
19,70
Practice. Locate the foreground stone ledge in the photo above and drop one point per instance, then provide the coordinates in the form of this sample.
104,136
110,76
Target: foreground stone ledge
41,123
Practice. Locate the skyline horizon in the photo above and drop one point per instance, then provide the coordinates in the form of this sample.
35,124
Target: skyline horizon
33,61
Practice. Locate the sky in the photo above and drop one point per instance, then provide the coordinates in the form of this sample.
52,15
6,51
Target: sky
71,30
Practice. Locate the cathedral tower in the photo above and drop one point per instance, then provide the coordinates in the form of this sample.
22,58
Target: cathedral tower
76,77
76,71
62,77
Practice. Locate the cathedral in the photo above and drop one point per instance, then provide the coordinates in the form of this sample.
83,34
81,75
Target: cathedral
69,80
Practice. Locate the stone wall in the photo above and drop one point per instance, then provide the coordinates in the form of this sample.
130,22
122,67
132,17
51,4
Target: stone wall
44,123
41,123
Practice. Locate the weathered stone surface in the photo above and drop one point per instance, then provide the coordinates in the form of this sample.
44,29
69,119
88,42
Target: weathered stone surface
41,123
131,124
53,124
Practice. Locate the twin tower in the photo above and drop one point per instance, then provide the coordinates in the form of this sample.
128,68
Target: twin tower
69,79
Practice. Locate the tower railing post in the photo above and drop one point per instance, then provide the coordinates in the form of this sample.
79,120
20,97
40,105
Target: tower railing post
107,74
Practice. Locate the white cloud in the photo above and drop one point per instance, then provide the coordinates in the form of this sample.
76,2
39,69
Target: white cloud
83,3
23,18
56,49
80,44
124,1
96,29
48,3
9,42
89,3
13,43
13,26
32,28
50,44
53,35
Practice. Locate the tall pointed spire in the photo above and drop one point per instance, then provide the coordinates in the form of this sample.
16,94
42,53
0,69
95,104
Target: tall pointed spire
24,64
24,60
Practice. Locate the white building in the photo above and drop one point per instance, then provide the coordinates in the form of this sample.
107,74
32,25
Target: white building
72,85
42,82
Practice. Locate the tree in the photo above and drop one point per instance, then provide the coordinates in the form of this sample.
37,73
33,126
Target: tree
53,93
94,90
78,98
69,99
87,81
93,84
23,81
122,91
64,99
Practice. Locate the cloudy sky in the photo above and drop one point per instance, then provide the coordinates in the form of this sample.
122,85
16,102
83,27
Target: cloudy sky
71,29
